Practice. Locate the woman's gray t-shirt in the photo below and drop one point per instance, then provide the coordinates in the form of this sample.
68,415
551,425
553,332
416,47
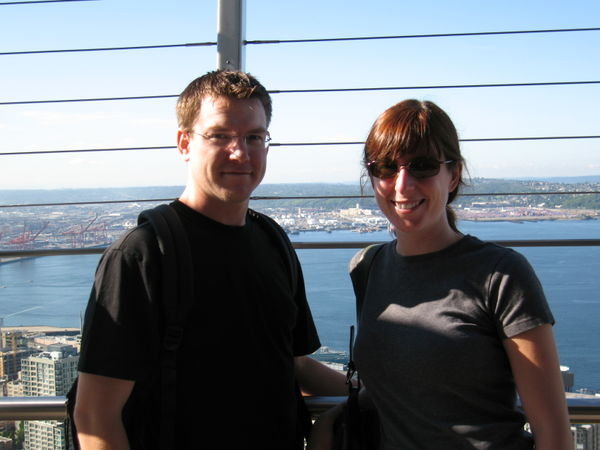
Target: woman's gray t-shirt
429,346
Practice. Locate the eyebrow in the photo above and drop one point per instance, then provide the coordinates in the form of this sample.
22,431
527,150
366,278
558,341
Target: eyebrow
220,128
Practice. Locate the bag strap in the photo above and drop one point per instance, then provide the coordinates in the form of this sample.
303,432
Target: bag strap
177,297
285,246
360,274
360,279
351,366
177,301
282,242
71,428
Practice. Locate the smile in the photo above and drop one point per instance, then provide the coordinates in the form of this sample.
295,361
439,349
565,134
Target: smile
236,172
407,205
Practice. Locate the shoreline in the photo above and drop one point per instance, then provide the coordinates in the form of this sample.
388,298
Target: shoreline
528,215
40,329
528,219
585,215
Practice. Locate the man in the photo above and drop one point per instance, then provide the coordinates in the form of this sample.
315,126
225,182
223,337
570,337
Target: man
247,339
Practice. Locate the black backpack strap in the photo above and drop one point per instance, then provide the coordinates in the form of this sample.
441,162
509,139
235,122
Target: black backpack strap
70,428
360,274
177,300
287,249
357,426
282,242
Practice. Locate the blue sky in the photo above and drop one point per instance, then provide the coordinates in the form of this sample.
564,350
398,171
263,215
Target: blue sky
322,117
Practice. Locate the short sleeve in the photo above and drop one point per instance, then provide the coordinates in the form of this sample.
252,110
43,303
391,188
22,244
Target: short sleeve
120,324
358,256
518,300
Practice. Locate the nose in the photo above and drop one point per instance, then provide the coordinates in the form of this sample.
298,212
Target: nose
239,151
403,180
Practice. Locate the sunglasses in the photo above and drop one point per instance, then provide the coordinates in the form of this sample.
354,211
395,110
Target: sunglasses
420,167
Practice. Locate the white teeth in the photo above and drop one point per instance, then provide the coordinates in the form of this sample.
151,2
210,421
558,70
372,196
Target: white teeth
406,205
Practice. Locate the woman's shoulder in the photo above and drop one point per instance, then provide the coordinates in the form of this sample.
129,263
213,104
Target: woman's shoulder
365,256
499,255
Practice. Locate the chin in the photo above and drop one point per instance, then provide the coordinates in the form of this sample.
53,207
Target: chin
237,195
404,226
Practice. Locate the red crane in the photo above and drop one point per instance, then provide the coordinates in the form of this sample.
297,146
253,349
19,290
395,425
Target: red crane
25,239
77,232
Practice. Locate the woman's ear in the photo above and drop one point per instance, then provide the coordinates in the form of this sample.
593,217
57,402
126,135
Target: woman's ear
456,176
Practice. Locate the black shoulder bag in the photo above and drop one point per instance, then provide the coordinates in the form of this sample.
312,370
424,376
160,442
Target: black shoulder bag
357,428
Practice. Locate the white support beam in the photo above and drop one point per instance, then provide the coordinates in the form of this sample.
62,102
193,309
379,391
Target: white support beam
231,33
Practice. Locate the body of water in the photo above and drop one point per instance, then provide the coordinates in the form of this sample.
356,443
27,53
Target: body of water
54,290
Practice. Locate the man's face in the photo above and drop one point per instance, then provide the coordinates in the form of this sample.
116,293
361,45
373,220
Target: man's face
220,172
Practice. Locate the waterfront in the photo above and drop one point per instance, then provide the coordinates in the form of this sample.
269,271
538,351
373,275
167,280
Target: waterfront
62,222
53,290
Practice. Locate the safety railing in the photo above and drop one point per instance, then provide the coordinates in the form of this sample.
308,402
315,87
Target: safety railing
310,245
581,410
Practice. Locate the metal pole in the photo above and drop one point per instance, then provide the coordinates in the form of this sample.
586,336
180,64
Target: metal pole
231,34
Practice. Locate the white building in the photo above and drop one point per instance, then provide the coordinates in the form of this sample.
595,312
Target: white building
587,437
48,374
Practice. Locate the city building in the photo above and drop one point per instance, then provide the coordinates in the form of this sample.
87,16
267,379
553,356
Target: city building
13,339
587,437
568,377
10,361
14,388
6,443
48,374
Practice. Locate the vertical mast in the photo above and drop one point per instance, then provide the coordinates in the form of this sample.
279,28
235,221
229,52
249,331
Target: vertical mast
231,34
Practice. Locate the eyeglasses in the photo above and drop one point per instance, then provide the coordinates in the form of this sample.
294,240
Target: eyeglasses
420,167
222,140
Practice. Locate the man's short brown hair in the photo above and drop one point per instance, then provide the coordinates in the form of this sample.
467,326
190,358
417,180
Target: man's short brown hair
219,83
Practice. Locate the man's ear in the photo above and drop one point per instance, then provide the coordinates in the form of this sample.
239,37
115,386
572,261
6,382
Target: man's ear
183,144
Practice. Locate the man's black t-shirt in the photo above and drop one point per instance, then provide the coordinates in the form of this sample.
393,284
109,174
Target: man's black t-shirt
235,366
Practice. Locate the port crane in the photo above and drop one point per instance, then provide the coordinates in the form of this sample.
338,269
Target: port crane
27,237
77,232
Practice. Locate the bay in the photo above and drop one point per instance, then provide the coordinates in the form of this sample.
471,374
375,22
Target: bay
54,290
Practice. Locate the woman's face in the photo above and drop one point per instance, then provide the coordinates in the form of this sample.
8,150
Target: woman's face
417,206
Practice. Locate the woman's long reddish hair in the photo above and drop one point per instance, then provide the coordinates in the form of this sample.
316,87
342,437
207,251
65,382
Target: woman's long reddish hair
416,128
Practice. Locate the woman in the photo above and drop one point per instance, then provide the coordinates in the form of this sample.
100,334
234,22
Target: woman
451,327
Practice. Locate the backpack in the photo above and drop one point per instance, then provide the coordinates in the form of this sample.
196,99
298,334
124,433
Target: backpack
178,287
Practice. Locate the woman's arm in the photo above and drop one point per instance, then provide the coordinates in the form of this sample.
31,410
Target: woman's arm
535,365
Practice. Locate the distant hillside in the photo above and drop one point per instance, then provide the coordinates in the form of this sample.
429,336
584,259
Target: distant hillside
475,186
89,194
572,180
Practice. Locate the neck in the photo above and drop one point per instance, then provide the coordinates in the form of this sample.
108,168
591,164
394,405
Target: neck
227,213
411,244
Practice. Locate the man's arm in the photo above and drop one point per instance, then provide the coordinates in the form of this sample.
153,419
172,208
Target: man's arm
315,378
98,408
